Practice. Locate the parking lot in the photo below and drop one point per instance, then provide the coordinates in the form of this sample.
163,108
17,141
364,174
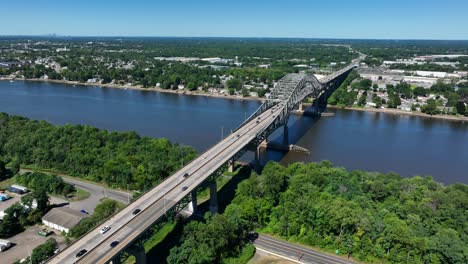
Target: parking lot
25,242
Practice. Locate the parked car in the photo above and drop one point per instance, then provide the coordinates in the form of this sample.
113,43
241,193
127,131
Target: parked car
4,244
84,211
184,188
44,232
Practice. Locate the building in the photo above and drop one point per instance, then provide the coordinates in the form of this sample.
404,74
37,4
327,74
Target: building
63,218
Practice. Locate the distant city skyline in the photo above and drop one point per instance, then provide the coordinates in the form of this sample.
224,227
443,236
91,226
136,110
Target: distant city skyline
360,19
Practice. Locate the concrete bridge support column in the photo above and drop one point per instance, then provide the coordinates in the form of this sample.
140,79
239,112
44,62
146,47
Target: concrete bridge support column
301,107
213,197
193,205
138,250
231,166
257,156
285,135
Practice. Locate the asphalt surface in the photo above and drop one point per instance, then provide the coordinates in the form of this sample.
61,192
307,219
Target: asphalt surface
97,190
96,193
295,253
126,227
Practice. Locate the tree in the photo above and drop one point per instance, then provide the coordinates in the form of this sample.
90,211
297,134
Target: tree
40,195
393,100
461,108
44,251
362,99
430,107
3,170
420,91
234,83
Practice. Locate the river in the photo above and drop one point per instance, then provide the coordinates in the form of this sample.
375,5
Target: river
356,140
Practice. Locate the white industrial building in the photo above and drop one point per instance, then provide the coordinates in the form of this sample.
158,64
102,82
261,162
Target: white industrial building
63,218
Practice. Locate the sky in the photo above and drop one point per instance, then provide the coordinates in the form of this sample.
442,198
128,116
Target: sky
354,19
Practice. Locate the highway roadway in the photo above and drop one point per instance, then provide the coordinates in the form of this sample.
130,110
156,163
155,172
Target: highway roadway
126,227
295,253
99,191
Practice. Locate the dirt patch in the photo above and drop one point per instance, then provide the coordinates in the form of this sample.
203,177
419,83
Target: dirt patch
261,257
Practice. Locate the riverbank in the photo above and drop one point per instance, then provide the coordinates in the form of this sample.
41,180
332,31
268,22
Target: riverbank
139,88
235,97
400,112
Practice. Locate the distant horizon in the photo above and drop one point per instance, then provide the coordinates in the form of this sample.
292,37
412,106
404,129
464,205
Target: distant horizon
53,35
332,19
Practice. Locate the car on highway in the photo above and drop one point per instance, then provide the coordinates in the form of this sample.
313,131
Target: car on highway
136,211
104,229
81,253
114,243
184,188
186,175
252,235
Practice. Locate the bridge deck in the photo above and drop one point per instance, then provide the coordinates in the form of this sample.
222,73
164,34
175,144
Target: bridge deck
125,227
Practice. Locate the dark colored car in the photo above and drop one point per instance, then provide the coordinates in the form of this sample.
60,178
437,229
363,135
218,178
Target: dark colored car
252,235
81,253
114,243
136,211
184,188
186,175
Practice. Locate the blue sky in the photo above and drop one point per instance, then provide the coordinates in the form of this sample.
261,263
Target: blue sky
382,19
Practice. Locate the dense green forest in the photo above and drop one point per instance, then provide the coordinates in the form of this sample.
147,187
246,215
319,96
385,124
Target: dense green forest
373,217
115,158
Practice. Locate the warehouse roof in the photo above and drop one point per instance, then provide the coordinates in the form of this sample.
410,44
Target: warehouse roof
64,216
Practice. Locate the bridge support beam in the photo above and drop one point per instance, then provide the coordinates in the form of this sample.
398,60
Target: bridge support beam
285,135
138,250
301,107
213,197
193,205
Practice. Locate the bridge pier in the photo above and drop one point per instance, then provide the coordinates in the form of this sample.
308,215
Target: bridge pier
138,250
285,135
301,107
231,166
257,156
213,197
193,205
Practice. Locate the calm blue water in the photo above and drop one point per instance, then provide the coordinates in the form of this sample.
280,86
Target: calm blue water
355,140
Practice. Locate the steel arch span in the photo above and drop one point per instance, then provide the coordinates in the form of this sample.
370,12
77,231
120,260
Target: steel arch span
293,89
